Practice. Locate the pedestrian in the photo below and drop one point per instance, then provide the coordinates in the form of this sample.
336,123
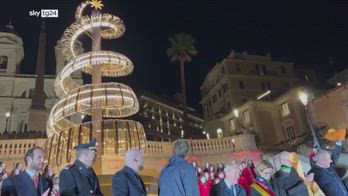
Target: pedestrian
264,185
204,186
17,169
30,182
127,181
325,174
178,177
229,186
299,189
79,178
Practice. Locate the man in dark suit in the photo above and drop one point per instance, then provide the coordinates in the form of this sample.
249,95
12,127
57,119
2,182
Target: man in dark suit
79,178
127,182
29,182
229,186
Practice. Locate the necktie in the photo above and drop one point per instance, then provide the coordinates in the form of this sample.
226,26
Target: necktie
233,188
36,181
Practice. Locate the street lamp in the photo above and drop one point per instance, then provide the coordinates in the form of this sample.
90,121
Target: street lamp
236,114
304,98
7,115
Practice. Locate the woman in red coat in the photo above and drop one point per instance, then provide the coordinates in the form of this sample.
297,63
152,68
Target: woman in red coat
204,186
244,181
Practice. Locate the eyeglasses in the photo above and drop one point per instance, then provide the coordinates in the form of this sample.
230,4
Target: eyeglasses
267,173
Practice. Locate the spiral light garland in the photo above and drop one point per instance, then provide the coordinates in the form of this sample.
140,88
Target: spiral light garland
113,100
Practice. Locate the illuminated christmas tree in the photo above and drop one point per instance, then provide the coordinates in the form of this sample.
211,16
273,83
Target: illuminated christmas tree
104,102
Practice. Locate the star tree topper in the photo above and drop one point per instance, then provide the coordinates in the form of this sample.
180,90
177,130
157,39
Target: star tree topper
97,4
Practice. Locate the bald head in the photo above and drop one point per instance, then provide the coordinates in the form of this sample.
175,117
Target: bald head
134,159
232,173
323,159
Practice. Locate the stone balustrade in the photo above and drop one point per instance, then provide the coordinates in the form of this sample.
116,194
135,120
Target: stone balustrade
15,149
156,153
237,143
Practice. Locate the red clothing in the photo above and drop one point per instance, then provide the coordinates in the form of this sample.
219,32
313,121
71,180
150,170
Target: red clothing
204,189
242,180
248,174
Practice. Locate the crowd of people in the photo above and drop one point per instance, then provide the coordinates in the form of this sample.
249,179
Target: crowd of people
209,175
178,177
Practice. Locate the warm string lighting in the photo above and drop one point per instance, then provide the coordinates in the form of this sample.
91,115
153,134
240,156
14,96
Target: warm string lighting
113,100
112,27
112,65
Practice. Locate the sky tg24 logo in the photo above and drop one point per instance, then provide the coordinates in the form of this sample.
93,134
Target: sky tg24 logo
45,13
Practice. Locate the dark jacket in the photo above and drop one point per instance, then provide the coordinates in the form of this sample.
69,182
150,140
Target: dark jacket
278,186
22,185
77,179
298,189
327,179
178,178
127,183
221,189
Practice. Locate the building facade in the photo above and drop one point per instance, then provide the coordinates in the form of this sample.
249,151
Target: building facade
331,108
240,78
17,90
163,119
282,120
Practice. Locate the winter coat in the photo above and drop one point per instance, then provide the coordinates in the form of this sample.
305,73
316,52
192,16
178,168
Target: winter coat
178,178
277,186
327,178
204,189
298,189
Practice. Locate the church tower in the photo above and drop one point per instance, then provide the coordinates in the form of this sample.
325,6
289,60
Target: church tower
11,50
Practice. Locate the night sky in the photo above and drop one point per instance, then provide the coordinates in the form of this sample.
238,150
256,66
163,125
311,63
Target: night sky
309,33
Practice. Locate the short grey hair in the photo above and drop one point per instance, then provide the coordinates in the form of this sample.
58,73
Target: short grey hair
230,167
321,154
131,155
181,148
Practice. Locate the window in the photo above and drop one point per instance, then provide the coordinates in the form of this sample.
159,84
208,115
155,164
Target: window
223,69
225,87
219,93
268,86
285,109
246,116
307,78
241,84
264,69
3,62
233,124
283,69
214,98
238,67
290,132
228,106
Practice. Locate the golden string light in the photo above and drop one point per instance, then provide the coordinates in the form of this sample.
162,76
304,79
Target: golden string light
113,100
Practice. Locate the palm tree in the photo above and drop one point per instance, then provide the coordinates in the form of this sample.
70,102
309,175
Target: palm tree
181,51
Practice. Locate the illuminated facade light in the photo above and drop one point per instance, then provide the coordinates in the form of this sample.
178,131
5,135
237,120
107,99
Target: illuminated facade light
263,95
303,98
236,112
